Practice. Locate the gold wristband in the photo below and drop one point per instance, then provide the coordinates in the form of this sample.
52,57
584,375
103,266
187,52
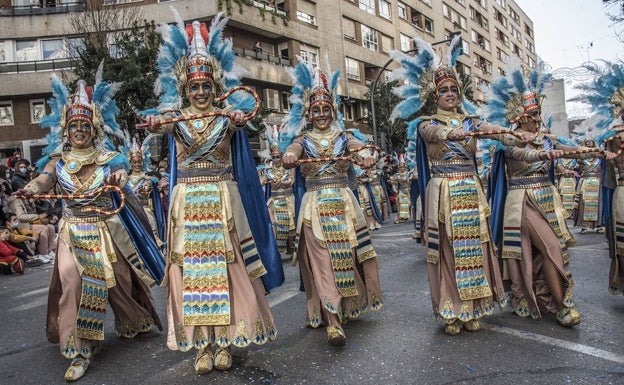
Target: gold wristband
33,187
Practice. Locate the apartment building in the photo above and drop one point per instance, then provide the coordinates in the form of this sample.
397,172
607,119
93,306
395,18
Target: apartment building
354,36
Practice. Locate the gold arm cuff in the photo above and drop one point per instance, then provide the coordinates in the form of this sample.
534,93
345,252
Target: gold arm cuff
33,187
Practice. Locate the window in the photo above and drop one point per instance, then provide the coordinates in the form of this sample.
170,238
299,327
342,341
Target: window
428,2
502,37
482,3
352,68
402,10
428,25
285,102
406,42
516,33
309,55
6,114
73,47
349,28
500,18
387,43
529,45
368,6
369,38
465,47
502,3
461,2
514,15
3,53
501,71
52,49
26,50
502,55
37,110
530,61
347,111
384,9
528,31
306,18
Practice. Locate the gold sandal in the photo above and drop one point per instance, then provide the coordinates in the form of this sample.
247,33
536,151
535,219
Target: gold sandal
77,369
336,336
453,329
472,325
223,358
204,361
568,316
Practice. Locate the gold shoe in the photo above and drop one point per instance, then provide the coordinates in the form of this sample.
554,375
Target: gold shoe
584,230
336,336
453,329
77,369
569,316
204,361
600,230
223,358
472,325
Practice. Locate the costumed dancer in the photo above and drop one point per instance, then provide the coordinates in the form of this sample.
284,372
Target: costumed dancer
464,275
606,96
417,212
367,203
401,180
588,193
377,180
145,188
528,214
103,258
566,183
337,260
221,255
281,203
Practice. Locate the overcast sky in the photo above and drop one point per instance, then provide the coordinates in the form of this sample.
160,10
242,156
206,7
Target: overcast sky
571,32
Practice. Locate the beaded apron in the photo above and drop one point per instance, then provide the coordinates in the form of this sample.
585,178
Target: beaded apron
567,188
87,248
205,286
331,207
591,191
282,217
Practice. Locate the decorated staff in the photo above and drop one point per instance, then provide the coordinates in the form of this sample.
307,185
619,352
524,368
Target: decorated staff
535,240
337,260
605,94
221,252
93,268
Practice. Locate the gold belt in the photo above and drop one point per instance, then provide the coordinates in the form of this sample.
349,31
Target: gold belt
323,186
531,185
71,219
205,178
452,174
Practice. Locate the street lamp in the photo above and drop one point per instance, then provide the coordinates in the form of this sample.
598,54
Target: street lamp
374,86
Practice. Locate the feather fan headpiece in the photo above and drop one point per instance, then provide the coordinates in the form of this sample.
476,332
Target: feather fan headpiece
605,94
512,96
196,52
311,87
93,104
420,75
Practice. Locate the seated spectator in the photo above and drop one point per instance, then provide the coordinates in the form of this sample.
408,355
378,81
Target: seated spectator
38,222
21,176
10,263
23,239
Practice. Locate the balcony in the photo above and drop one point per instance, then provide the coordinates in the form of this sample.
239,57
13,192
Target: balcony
250,53
35,66
47,9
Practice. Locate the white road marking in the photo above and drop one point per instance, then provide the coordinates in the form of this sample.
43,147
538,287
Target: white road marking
598,353
41,301
33,292
392,234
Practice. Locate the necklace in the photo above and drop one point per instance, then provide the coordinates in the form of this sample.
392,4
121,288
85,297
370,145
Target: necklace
76,158
450,118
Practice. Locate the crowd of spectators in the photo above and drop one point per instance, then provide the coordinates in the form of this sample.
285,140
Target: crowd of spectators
28,228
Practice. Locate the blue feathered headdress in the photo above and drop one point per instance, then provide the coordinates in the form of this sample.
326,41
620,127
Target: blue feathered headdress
512,96
96,104
417,74
605,94
310,86
194,47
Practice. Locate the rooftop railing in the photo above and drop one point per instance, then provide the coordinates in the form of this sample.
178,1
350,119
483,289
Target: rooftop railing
35,66
47,8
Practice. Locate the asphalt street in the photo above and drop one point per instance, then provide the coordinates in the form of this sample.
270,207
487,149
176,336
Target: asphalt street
400,344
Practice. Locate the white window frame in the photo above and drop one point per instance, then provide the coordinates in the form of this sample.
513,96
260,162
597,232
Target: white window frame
6,113
367,5
37,110
352,68
405,42
306,18
385,9
285,102
30,57
370,38
402,10
309,55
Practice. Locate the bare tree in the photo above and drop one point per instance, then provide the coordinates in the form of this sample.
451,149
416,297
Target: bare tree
101,23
